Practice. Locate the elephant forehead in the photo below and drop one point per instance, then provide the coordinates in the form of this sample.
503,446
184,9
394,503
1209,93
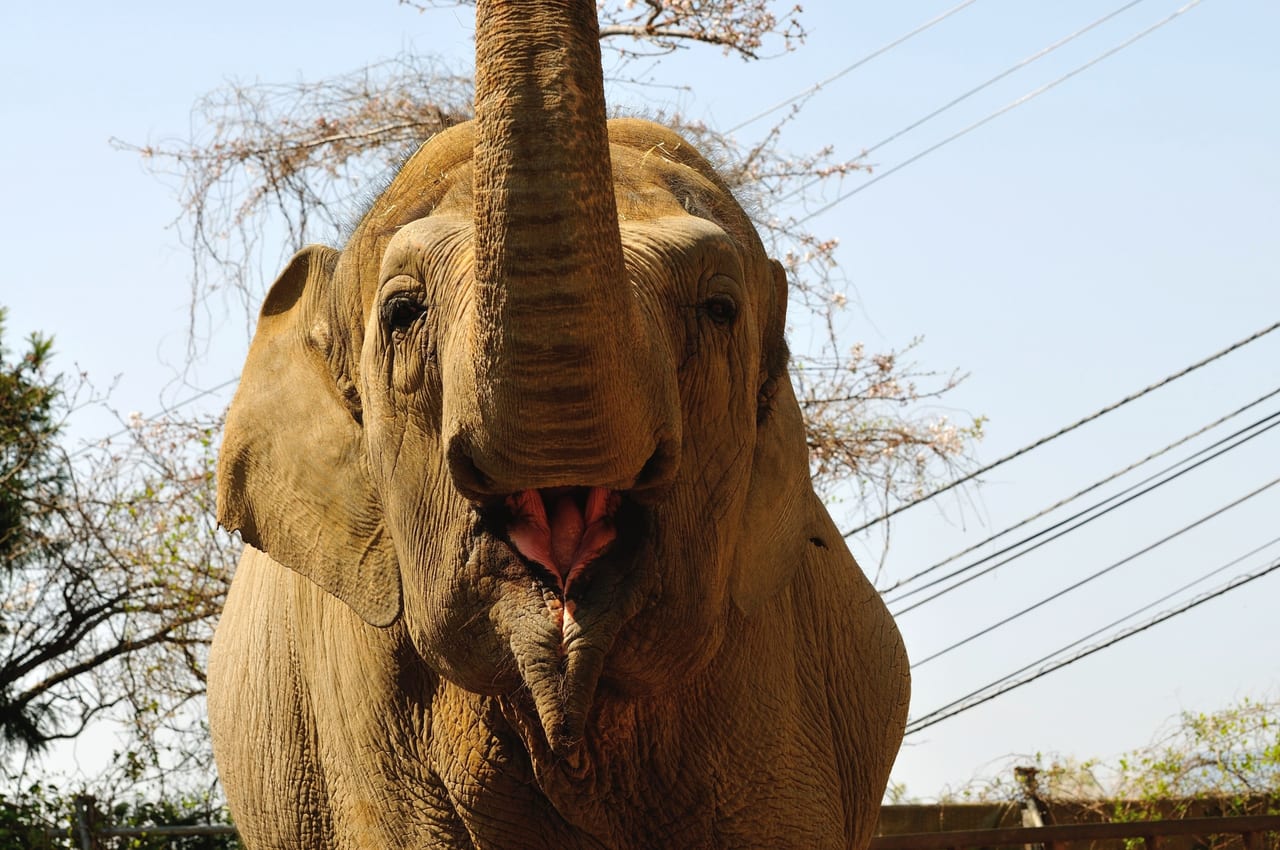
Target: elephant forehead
428,246
687,243
646,185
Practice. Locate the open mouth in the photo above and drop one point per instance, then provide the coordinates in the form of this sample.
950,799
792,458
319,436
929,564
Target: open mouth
562,529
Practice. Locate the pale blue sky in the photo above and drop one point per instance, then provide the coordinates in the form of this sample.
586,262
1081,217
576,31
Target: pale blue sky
1084,245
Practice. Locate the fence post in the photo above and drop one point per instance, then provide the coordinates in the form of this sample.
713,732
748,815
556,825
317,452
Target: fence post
85,810
1032,810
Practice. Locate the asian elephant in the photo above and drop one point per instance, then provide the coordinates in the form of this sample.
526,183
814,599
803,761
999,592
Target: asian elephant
533,559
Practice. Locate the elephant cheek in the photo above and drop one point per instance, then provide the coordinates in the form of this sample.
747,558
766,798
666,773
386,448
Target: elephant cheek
447,602
684,619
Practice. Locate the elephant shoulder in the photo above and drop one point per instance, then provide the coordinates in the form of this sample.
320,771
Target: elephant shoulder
308,704
259,714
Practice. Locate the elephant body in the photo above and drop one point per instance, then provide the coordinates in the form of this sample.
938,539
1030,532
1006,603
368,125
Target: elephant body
533,558
771,746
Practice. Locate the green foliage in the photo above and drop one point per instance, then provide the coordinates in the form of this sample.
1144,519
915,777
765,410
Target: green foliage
1225,762
30,469
33,480
184,811
43,816
26,816
1220,763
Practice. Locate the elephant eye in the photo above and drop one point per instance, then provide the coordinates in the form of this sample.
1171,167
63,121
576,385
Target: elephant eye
399,312
721,309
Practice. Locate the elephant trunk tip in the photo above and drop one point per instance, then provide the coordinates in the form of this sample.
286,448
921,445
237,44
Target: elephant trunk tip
563,715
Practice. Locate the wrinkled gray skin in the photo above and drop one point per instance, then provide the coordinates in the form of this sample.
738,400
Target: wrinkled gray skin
541,311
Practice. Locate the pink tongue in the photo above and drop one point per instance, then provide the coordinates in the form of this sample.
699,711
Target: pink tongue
548,527
567,527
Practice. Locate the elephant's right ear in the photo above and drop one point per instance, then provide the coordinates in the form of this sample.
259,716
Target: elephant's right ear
292,474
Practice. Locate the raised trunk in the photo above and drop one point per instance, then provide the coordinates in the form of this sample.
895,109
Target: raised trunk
545,212
565,386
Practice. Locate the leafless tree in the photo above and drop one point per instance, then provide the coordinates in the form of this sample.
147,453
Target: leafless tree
271,167
108,612
113,617
656,27
111,574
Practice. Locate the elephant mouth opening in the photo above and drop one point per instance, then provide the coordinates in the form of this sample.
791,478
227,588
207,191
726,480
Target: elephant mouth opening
562,530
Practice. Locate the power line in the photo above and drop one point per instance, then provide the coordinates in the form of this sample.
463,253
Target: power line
978,697
1094,486
844,196
1087,520
999,564
1171,594
1064,430
960,705
1041,53
1095,575
858,64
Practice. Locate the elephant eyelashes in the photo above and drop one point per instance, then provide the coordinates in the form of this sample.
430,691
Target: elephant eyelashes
399,312
720,309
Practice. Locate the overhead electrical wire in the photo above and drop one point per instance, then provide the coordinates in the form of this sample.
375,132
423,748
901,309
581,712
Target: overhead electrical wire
1066,429
1153,603
1088,519
1076,585
979,696
1017,66
987,570
880,51
1080,493
1031,95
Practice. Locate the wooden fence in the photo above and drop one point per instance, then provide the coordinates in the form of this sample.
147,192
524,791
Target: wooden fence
1253,831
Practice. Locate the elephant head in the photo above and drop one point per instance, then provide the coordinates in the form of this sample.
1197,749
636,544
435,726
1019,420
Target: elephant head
537,407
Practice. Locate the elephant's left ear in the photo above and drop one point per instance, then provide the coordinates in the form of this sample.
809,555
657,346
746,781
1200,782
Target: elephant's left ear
292,474
780,522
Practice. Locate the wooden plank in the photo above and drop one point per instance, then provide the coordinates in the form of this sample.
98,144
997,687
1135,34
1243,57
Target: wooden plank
1151,830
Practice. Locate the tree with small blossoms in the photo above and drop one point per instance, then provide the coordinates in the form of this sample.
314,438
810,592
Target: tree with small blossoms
300,156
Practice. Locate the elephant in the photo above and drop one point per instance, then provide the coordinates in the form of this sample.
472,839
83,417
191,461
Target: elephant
532,555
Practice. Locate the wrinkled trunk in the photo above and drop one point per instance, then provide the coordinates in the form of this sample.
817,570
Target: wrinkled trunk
545,213
565,387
